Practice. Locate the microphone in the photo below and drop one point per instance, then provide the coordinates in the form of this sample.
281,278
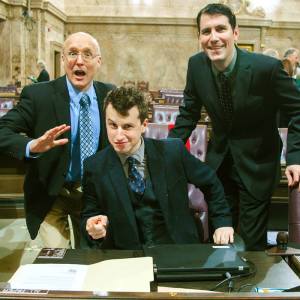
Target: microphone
282,240
230,282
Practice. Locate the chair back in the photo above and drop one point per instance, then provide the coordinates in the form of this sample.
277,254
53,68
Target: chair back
294,196
164,114
172,96
198,149
294,215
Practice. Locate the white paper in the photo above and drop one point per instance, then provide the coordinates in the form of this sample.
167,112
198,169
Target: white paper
60,277
166,289
125,275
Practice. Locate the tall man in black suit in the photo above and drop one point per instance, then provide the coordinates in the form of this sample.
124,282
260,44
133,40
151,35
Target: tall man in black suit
242,93
50,114
135,190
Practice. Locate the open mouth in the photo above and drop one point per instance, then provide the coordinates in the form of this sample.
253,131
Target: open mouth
79,73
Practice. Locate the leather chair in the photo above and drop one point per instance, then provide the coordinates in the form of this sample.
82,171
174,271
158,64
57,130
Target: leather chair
294,196
197,144
294,215
172,96
165,114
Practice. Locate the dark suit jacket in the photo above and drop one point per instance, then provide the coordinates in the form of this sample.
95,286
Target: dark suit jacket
43,106
43,76
171,168
262,87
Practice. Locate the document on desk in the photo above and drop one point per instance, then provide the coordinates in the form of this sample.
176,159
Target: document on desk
118,275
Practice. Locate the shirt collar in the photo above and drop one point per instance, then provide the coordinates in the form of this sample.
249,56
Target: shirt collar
138,154
228,71
75,94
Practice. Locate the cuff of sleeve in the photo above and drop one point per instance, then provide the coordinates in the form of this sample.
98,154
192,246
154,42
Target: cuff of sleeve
28,154
222,222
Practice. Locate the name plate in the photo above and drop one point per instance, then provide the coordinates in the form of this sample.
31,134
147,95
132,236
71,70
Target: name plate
57,253
23,291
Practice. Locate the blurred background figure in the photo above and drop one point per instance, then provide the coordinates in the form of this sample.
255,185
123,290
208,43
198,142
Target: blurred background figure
271,52
43,73
292,54
288,66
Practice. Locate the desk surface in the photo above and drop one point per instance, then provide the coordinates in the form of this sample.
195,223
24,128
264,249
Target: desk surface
272,272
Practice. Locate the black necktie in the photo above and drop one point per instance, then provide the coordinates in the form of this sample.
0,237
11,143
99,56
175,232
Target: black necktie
135,179
225,96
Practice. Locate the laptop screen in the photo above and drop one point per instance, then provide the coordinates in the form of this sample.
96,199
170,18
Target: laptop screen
195,261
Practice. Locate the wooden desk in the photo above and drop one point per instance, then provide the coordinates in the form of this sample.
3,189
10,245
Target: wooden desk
272,272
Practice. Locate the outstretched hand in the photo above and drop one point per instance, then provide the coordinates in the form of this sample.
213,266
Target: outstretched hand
49,139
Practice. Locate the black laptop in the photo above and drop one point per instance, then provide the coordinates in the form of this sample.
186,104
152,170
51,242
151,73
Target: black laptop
188,262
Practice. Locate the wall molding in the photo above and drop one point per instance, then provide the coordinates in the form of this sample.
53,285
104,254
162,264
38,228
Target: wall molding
242,22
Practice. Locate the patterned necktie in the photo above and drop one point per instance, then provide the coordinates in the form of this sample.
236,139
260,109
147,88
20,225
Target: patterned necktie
87,147
225,96
135,179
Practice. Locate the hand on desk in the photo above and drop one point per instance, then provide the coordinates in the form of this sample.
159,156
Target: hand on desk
223,235
96,226
292,173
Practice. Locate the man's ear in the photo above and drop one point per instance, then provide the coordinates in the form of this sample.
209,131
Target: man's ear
236,33
99,61
144,125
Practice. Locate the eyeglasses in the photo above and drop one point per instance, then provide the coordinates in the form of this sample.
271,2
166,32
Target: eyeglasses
86,56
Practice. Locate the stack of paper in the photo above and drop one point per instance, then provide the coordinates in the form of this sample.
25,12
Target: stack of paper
117,275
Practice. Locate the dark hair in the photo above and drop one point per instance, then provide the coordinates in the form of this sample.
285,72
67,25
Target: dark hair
217,9
123,99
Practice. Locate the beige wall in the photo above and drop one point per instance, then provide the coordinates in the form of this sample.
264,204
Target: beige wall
141,40
155,53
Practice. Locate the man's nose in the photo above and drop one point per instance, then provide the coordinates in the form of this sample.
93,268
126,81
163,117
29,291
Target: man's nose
120,132
79,59
214,35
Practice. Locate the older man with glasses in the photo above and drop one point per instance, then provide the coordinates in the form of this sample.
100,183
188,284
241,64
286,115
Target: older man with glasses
63,124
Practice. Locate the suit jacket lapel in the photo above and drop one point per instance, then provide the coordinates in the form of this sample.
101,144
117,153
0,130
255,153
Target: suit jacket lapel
211,90
156,168
120,186
101,90
242,82
61,101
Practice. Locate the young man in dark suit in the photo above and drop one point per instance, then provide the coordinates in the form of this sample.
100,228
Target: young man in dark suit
51,115
242,93
135,191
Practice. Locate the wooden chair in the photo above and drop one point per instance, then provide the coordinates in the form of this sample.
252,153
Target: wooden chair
143,86
129,83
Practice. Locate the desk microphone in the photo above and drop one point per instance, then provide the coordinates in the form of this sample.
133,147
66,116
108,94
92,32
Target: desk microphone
282,240
230,282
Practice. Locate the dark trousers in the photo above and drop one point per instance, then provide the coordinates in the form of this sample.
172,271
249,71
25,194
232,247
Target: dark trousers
250,214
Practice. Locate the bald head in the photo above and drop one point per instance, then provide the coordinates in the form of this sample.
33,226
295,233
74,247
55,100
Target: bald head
83,36
81,59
